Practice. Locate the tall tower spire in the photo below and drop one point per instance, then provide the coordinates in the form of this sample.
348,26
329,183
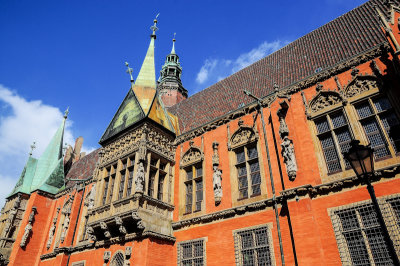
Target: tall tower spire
147,73
170,86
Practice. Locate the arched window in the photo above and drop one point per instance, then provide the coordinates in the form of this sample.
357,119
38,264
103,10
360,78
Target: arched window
118,259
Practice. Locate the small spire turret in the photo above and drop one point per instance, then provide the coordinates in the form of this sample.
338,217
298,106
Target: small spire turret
33,146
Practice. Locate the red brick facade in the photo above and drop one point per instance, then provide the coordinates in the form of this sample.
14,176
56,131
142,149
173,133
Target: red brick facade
305,203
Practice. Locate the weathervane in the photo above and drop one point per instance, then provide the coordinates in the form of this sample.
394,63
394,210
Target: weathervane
66,113
33,146
129,70
154,27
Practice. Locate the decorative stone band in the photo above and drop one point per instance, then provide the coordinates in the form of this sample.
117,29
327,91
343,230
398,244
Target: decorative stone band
311,191
285,92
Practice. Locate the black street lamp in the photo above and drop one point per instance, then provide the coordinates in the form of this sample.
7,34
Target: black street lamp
361,159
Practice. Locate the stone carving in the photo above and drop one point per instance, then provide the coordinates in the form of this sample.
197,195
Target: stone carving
52,229
104,226
138,220
191,156
360,84
90,198
324,99
139,178
242,136
288,154
217,184
65,228
121,227
28,228
90,232
289,157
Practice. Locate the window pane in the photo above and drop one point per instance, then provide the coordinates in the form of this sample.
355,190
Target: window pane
331,157
344,138
322,125
252,152
189,174
375,137
192,253
199,194
378,246
254,247
364,110
392,128
199,171
129,185
242,170
338,120
382,104
240,156
189,197
357,248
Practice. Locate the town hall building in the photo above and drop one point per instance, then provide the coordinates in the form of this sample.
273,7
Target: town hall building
250,171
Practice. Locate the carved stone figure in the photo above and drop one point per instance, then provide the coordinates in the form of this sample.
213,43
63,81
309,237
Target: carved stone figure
104,226
289,157
138,220
64,228
139,178
90,232
106,257
217,184
121,228
27,232
89,202
51,234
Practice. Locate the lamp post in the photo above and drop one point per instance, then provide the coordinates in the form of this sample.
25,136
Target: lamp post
270,173
361,159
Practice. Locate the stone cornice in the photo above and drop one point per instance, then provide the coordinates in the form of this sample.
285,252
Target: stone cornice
311,191
285,92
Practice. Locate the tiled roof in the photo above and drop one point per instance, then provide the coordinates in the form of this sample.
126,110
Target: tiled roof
83,168
338,40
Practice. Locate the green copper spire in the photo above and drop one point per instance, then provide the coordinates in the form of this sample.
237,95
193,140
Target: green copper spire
147,73
25,180
49,174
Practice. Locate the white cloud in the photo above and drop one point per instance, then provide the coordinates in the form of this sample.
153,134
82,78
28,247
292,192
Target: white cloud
22,122
214,70
207,67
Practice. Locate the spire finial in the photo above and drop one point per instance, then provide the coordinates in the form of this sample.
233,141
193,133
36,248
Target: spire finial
33,146
154,27
66,113
173,44
129,71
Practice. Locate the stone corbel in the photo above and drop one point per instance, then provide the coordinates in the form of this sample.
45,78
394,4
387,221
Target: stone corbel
104,227
91,235
28,228
120,224
138,220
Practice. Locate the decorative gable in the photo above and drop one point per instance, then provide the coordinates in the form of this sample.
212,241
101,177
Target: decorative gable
324,99
361,84
242,136
192,155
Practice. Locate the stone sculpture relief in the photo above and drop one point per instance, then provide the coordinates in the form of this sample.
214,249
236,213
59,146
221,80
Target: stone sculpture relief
217,175
138,220
104,226
90,232
192,155
121,227
106,257
28,228
139,178
89,201
289,157
52,229
64,228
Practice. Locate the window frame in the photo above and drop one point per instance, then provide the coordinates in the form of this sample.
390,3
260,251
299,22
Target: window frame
204,241
238,243
193,182
389,216
247,163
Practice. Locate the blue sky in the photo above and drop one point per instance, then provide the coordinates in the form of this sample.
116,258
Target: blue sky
55,54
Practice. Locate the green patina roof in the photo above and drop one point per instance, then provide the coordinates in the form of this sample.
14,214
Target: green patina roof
25,180
49,174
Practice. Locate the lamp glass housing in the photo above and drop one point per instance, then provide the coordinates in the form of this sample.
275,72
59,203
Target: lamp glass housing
361,158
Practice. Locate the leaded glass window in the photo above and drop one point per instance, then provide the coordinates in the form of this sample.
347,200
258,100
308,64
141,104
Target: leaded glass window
380,124
131,164
254,246
106,180
335,137
122,180
194,188
248,171
191,253
118,259
359,234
